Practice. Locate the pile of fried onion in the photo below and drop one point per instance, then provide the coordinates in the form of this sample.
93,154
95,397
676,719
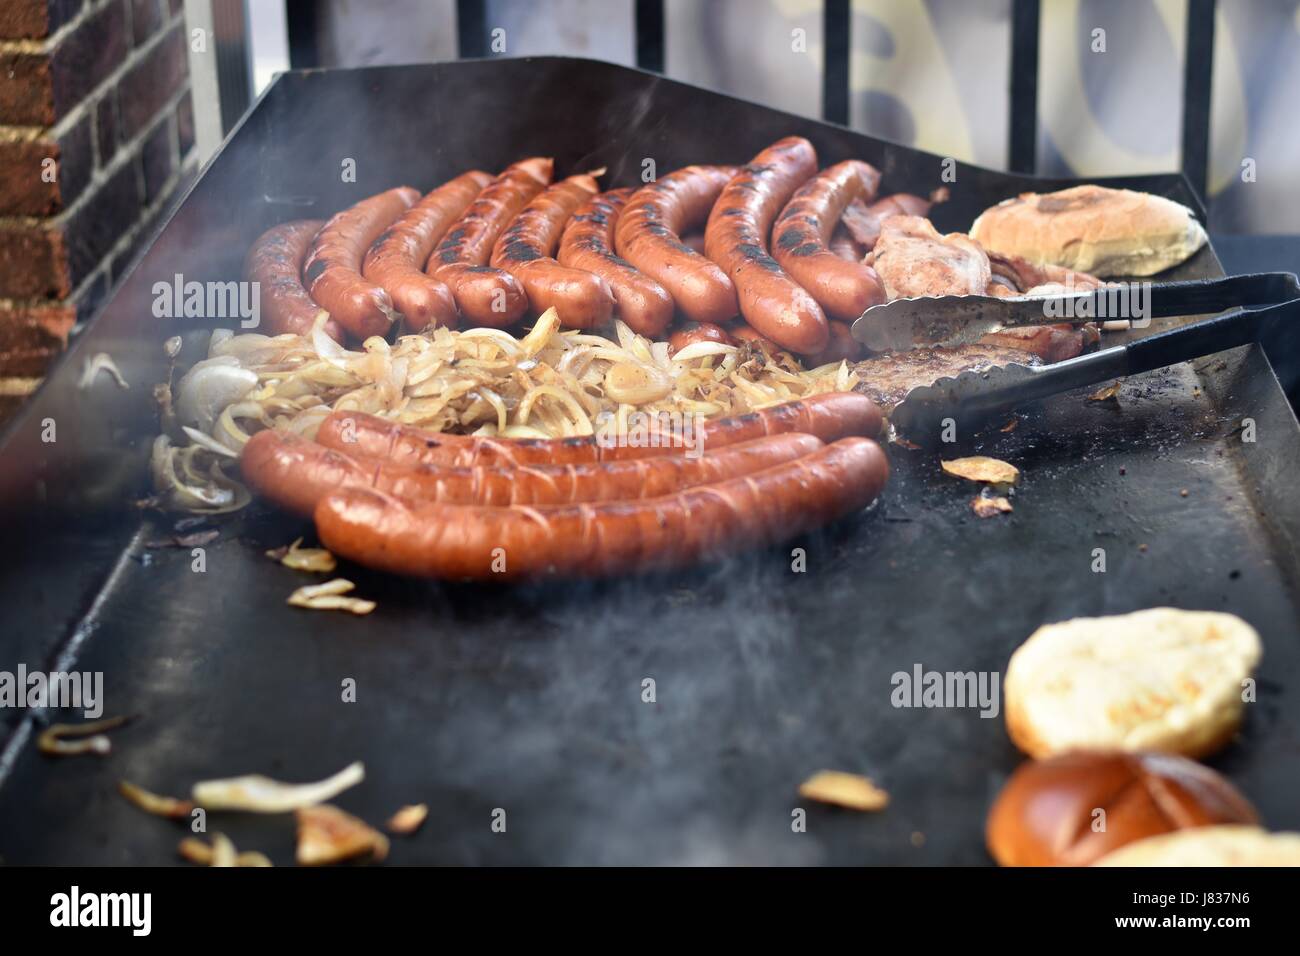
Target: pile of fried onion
550,383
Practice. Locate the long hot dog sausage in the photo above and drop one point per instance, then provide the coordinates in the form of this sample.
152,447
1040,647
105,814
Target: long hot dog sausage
588,243
275,264
829,416
526,250
332,272
297,473
484,295
803,230
736,239
649,236
590,540
395,261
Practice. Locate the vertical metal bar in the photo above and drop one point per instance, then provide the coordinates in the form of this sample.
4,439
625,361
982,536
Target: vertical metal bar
1198,74
650,35
836,30
301,20
471,28
1022,122
234,71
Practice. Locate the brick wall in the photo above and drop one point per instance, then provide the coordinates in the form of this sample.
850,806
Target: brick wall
96,136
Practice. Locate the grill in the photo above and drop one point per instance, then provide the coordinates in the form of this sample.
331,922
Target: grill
530,699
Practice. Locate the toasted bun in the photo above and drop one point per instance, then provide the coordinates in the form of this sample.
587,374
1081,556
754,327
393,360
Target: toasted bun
1073,809
1106,232
1210,846
1160,679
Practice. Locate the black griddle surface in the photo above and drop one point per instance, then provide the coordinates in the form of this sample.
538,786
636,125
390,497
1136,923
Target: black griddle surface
530,699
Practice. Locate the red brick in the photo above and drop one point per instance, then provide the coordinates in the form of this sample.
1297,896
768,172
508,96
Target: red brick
32,336
23,189
144,90
26,90
38,89
146,18
33,263
34,19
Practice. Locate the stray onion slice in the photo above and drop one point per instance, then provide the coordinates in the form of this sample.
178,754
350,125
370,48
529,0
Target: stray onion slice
408,819
330,597
154,803
223,851
51,740
986,506
328,835
100,362
981,468
1108,393
849,790
259,794
304,559
196,851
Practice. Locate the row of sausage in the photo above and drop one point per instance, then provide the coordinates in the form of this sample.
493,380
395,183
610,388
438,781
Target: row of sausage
401,499
489,251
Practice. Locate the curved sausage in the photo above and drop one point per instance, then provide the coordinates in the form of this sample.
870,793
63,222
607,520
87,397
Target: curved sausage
588,243
395,261
275,263
297,473
829,416
698,332
803,230
736,239
484,295
841,347
608,538
649,236
332,271
527,247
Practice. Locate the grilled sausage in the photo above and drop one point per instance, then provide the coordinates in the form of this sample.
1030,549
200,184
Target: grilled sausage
830,416
736,239
698,332
297,473
526,249
395,262
844,245
275,264
649,236
742,331
332,271
484,295
799,240
588,243
607,538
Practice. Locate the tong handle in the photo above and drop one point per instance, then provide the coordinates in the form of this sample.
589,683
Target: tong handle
1238,327
1198,296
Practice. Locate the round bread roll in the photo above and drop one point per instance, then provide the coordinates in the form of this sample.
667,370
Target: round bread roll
1210,846
1160,679
1073,809
1106,232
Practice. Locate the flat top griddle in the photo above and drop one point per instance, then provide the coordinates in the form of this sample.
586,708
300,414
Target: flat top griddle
530,698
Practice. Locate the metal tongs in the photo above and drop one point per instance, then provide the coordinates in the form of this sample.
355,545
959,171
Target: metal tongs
903,324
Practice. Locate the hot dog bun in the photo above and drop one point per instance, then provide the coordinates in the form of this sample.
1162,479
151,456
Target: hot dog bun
1106,232
1210,846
